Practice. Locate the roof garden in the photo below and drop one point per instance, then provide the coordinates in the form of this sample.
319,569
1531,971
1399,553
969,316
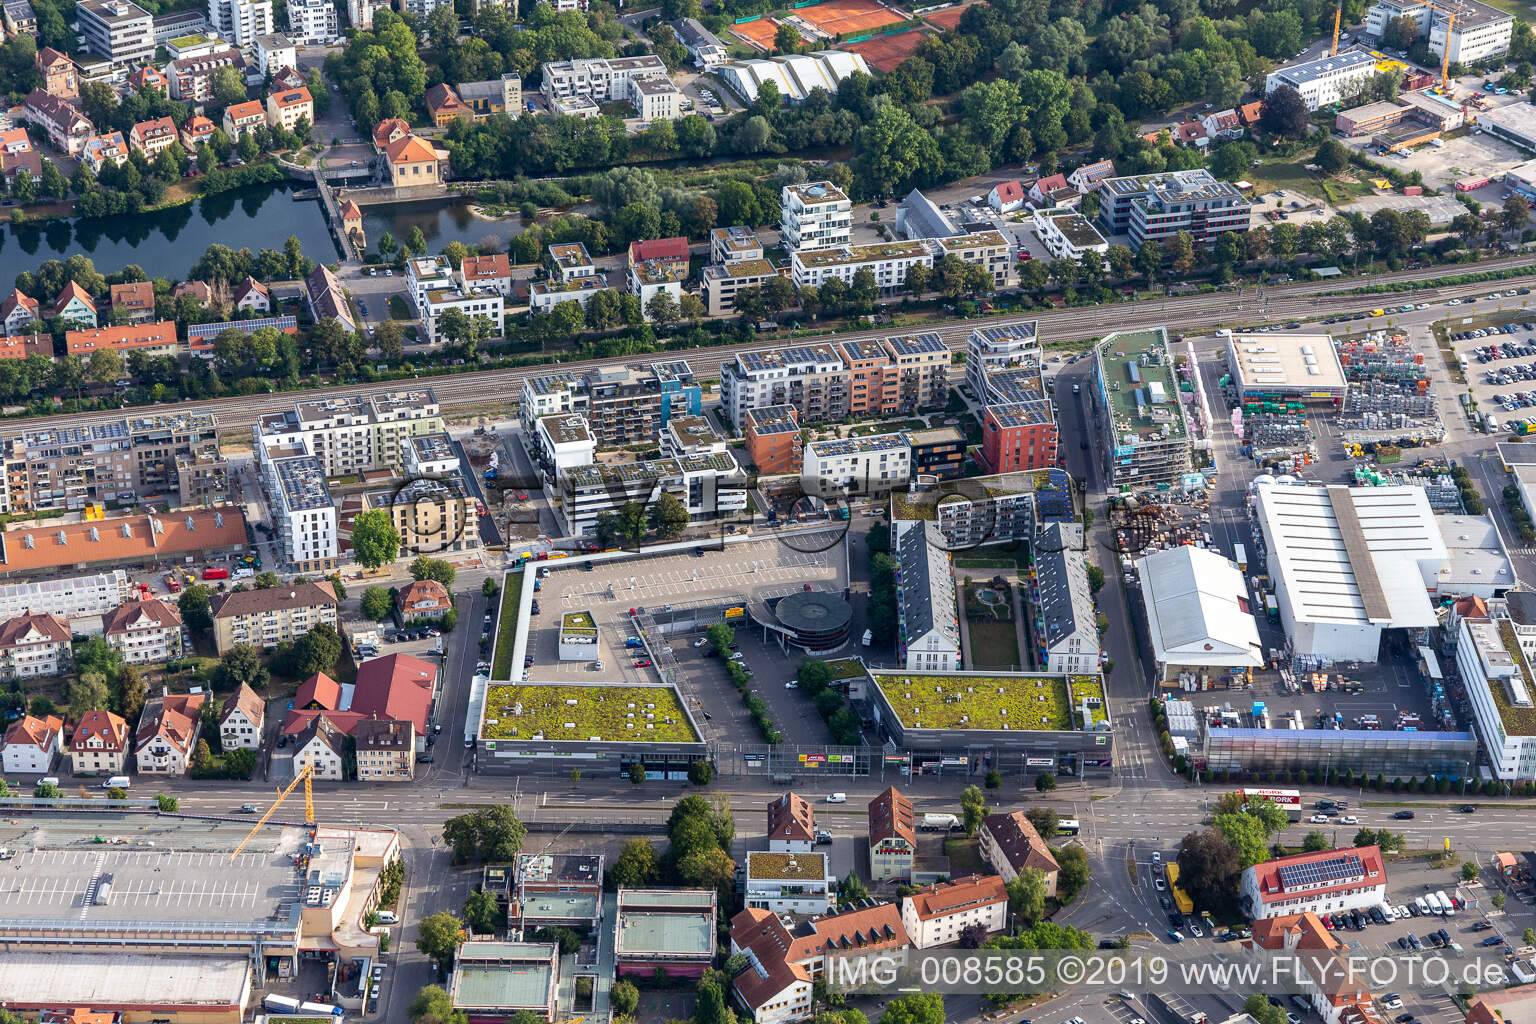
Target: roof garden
578,624
586,712
761,864
1137,374
1518,721
846,668
1003,702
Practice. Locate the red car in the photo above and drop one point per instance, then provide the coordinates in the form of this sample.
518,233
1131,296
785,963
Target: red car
215,573
642,663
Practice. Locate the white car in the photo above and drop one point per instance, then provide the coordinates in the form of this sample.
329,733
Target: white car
1349,819
1157,858
388,917
1159,884
791,685
1318,819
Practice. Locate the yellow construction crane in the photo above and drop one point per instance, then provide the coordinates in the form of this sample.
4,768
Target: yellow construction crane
1338,17
304,775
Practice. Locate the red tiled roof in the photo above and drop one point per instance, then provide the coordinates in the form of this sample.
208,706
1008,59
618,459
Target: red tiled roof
388,129
300,719
423,596
1055,181
671,249
410,150
1020,842
293,98
18,298
941,900
137,294
1251,112
890,817
103,725
441,97
70,291
173,717
1267,875
482,268
1009,191
34,732
761,932
51,627
320,690
20,346
128,613
395,686
791,817
237,112
127,338
147,538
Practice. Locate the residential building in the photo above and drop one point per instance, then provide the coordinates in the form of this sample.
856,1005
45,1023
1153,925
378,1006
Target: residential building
703,46
1327,79
275,51
313,22
493,271
242,719
32,745
413,161
581,107
722,283
423,9
1006,196
167,733
391,129
266,618
796,75
817,380
174,457
144,632
785,960
1137,402
1325,882
599,79
671,252
1155,206
99,744
422,601
149,76
939,452
17,155
1090,176
118,30
1011,845
1066,624
445,107
135,302
502,95
773,440
241,22
397,688
654,278
1068,235
290,106
60,76
155,339
175,24
24,346
988,250
192,76
360,12
544,296
1508,1005
938,914
791,825
354,433
434,516
857,466
667,930
892,837
196,131
1320,969
303,511
20,19
18,311
929,628
734,244
117,541
562,442
70,597
322,746
896,374
691,435
251,296
570,260
240,118
33,645
101,150
1020,434
887,261
434,289
622,404
386,750
325,298
1478,33
654,97
794,883
709,486
816,215
66,127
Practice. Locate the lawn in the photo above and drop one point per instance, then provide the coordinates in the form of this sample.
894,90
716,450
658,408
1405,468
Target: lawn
506,625
587,712
964,857
994,645
1285,174
985,702
846,668
398,310
888,427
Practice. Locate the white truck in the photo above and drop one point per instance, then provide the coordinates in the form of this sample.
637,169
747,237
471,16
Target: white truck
284,1004
940,823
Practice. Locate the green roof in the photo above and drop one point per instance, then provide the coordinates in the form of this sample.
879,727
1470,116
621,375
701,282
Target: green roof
1127,372
609,712
1517,721
964,701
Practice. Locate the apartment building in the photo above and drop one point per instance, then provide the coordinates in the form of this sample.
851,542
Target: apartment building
20,18
196,131
241,118
1326,79
67,128
622,404
153,339
266,618
721,283
938,452
570,260
641,80
303,511
241,21
118,30
1066,627
1011,845
313,22
773,440
544,296
385,750
167,733
61,77
191,77
70,597
109,148
651,278
242,719
709,486
493,271
857,466
816,215
287,107
793,883
502,95
702,45
435,517
1141,418
1018,435
1330,881
32,745
1156,206
135,301
1068,235
354,433
19,310
937,914
791,824
275,51
892,837
322,746
144,632
928,631
818,380
483,304
986,249
734,244
887,261
173,457
890,375
99,744
33,645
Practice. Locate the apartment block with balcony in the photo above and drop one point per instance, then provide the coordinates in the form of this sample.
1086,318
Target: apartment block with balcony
354,433
888,262
275,615
816,215
622,404
303,511
1153,207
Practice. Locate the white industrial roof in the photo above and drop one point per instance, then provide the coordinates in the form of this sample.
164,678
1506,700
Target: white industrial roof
1197,609
1286,362
117,979
1476,555
1352,556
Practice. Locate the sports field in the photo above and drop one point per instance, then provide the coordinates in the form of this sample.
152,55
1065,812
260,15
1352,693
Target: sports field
758,33
850,17
945,19
885,53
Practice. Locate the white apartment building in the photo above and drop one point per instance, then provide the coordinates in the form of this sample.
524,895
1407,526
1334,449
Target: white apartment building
1065,622
709,486
888,261
929,626
597,78
32,745
424,274
118,30
241,720
424,8
857,466
99,744
652,278
303,511
274,51
564,442
807,377
353,433
320,746
569,261
936,915
1327,882
544,296
144,632
1480,31
360,12
241,21
33,645
816,215
313,22
1068,235
1327,79
74,597
1010,346
477,303
793,883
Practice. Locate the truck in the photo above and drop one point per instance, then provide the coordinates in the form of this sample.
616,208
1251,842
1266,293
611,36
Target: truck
322,1008
282,1004
940,823
1240,556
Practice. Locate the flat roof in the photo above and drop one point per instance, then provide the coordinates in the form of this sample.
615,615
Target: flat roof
1076,229
1289,362
1325,67
762,864
568,906
113,978
685,926
1137,370
1516,453
601,712
1515,118
964,700
505,975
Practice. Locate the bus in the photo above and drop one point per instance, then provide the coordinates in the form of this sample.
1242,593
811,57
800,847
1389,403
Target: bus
1288,799
1180,897
1068,827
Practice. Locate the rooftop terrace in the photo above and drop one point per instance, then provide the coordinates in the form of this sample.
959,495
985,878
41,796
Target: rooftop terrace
1139,385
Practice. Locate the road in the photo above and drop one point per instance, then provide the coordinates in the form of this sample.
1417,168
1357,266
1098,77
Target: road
1250,305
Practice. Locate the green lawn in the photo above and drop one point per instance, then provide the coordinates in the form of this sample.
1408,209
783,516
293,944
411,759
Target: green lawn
587,712
1287,174
984,702
885,427
964,857
506,625
994,645
398,310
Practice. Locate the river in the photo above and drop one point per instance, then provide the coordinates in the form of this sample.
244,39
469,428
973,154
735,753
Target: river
440,223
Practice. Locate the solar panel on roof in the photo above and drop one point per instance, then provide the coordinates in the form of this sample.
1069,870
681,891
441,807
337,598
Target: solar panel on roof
1321,872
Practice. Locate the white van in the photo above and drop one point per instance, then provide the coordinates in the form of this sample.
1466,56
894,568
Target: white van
117,782
48,781
837,798
869,637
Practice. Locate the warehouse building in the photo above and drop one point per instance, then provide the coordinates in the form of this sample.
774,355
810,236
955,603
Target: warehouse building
1288,367
1197,615
1514,123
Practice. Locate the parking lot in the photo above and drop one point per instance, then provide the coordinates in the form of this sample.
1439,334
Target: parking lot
1498,356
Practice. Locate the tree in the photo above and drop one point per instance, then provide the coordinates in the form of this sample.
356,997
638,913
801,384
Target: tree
424,568
914,1008
195,608
1262,1010
167,804
710,1007
481,913
701,773
1247,835
632,522
1045,821
1233,160
785,39
1209,868
375,541
668,516
202,758
131,691
852,889
1331,156
489,587
1026,894
86,692
1095,579
636,866
1073,872
1045,782
623,998
46,791
1498,901
1314,842
378,605
663,309
1285,113
1469,871
1400,32
636,772
240,664
433,1005
438,938
916,281
315,651
973,808
708,869
105,366
228,88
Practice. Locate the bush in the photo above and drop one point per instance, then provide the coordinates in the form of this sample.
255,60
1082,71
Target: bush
701,773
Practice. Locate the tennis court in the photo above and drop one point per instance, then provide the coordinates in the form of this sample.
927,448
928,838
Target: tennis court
850,17
885,53
947,18
758,33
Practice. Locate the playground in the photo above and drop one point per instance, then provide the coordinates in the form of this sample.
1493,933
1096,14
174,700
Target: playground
885,53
